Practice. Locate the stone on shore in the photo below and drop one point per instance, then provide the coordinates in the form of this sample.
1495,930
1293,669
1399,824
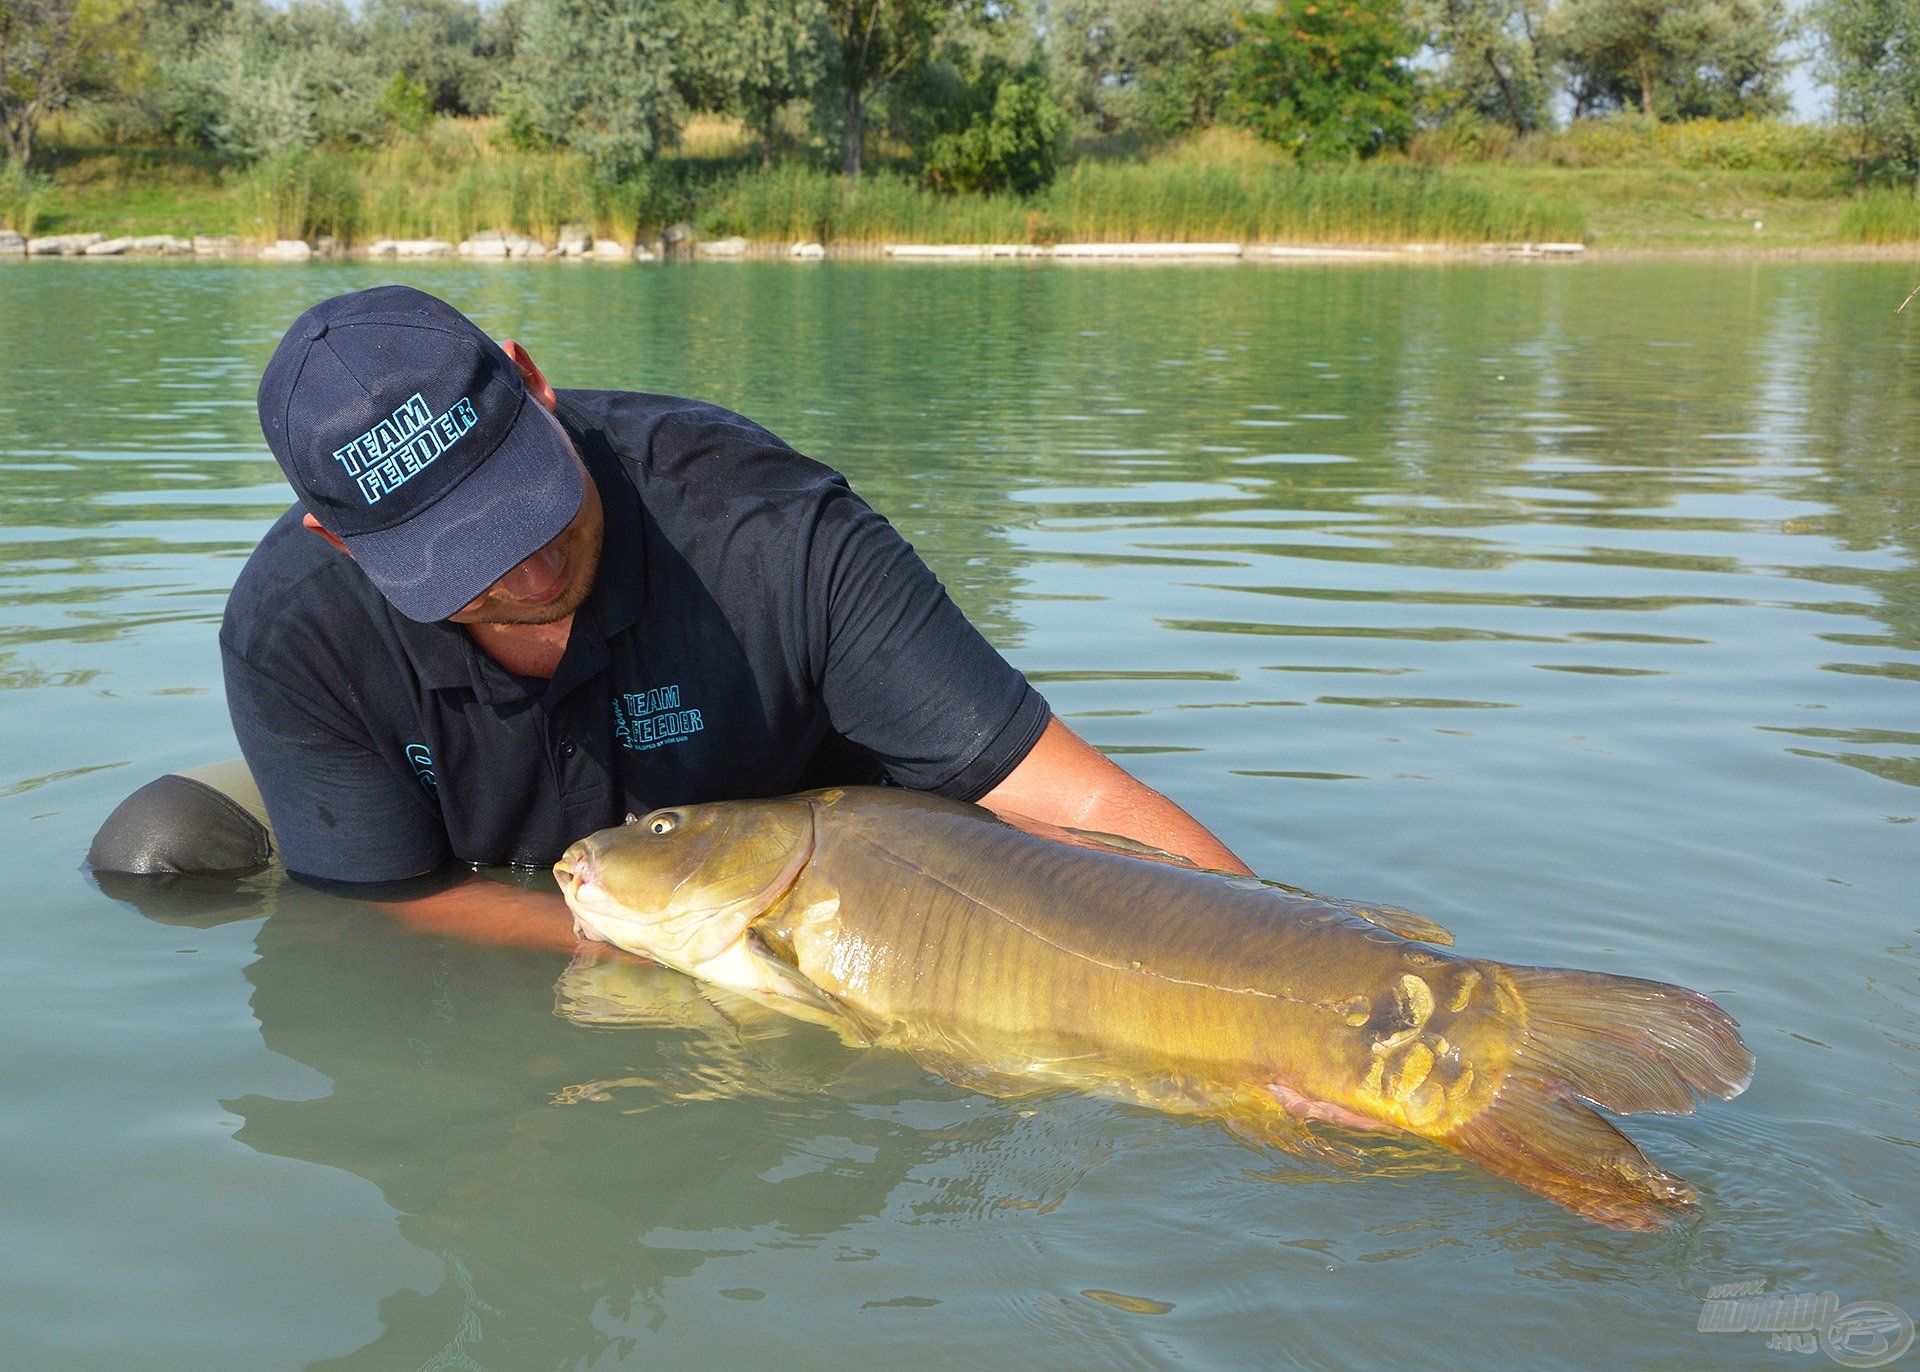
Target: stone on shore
12,244
109,247
161,245
642,253
721,247
287,250
575,241
807,252
422,247
1146,251
380,247
63,244
215,245
486,243
607,250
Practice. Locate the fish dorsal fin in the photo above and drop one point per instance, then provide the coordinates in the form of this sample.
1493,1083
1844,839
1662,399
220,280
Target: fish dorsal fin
1397,921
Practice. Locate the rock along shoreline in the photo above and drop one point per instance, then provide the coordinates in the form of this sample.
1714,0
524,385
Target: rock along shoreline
576,244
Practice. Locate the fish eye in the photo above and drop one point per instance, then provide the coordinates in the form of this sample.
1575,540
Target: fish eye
663,824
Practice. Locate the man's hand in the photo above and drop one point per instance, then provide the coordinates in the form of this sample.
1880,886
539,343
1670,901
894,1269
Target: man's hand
1067,782
482,910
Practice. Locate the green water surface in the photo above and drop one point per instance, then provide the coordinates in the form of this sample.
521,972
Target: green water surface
1574,607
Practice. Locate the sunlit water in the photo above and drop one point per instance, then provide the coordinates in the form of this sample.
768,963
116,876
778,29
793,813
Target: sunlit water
1573,607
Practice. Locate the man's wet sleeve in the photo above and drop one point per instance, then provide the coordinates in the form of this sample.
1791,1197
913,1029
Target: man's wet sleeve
340,811
902,671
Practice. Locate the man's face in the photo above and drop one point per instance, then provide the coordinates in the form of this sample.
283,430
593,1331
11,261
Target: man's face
553,583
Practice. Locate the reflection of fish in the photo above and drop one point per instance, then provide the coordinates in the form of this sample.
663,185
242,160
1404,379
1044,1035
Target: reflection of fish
1008,962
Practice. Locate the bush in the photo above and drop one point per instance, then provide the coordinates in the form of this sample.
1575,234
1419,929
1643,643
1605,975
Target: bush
406,103
1012,146
299,195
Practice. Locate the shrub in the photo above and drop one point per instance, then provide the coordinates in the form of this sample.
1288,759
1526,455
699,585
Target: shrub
1012,146
406,103
23,195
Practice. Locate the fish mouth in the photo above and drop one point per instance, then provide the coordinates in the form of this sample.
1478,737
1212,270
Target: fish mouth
575,874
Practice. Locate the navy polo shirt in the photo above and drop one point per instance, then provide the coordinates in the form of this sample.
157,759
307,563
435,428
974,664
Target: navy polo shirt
755,628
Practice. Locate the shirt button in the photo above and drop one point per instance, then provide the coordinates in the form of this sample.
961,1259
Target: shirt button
566,748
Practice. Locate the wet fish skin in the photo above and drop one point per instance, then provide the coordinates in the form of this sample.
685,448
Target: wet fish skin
1010,962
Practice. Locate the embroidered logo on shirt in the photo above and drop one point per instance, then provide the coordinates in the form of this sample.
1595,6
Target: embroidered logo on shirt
650,719
396,450
420,758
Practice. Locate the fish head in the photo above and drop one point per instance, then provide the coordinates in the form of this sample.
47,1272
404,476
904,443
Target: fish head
682,885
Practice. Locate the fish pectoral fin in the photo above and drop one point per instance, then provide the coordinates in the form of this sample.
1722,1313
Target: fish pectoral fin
805,1000
988,1081
1292,1134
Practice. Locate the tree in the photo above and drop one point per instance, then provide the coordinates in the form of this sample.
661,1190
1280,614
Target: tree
1141,66
1327,78
1870,52
871,44
765,54
597,76
1672,58
439,44
1491,58
50,51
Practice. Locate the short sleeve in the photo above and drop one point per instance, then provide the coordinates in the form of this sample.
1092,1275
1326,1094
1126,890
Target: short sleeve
339,812
902,671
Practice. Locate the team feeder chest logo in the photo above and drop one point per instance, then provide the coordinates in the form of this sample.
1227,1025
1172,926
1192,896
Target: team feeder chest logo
649,719
396,450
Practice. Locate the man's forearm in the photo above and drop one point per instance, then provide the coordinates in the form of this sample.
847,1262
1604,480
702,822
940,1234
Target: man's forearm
1067,782
482,910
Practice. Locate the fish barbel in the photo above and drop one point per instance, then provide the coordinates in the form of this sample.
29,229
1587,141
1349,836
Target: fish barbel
1010,962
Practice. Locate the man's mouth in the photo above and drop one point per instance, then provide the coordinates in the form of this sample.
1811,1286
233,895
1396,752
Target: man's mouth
562,578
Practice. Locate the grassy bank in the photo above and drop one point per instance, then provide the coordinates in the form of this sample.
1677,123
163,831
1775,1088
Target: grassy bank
1616,185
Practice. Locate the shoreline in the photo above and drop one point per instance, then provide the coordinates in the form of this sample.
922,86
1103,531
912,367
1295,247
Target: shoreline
579,248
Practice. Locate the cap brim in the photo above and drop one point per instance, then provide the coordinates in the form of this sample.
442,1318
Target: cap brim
506,510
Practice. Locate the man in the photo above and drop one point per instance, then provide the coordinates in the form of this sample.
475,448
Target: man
502,616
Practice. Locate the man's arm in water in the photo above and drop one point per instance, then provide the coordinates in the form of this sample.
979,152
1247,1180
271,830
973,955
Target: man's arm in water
1065,781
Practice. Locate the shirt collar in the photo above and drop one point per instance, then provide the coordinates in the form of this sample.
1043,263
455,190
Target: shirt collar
445,657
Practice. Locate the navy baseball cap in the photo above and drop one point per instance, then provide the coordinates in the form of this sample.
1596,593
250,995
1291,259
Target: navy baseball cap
409,433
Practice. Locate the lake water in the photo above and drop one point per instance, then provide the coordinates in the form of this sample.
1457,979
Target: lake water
1574,607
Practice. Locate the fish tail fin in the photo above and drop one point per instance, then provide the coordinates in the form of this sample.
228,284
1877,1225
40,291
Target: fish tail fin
1626,1045
1629,1046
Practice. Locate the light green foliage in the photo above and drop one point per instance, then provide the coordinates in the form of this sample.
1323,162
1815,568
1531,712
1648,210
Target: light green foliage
763,55
1491,59
1870,51
406,103
597,76
50,52
1155,67
1327,79
1672,58
1011,145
